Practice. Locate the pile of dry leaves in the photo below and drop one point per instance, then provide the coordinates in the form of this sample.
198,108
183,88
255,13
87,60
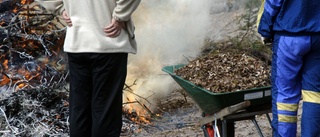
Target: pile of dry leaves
227,71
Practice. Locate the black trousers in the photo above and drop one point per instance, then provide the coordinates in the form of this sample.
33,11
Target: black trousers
96,83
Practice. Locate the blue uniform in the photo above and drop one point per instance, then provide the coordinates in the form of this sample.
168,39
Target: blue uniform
291,16
294,25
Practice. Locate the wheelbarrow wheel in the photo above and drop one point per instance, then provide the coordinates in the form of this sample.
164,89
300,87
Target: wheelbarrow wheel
208,130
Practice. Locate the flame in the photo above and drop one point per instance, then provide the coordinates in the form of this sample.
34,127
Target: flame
137,114
15,10
4,80
26,63
20,86
23,2
24,45
143,77
5,64
33,31
136,109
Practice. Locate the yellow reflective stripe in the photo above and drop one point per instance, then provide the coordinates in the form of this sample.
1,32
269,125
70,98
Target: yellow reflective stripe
310,96
287,119
260,13
287,107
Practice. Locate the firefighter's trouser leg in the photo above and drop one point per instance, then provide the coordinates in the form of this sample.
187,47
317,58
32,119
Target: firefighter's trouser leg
310,120
290,68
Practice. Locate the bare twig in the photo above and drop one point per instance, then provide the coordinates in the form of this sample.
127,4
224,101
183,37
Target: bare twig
8,124
145,107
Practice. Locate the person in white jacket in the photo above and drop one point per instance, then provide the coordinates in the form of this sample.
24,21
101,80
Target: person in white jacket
98,40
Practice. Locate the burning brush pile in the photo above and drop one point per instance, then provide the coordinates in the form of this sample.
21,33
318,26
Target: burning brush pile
35,113
32,64
228,69
31,47
33,74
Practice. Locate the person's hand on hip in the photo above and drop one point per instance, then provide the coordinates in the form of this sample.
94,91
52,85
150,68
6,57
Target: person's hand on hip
66,18
114,29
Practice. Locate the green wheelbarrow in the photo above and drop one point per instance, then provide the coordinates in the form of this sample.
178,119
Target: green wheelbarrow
210,102
225,106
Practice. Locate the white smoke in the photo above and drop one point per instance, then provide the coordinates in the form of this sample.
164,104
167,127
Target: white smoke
168,32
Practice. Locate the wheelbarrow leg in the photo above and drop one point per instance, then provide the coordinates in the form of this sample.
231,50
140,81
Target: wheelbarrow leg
227,128
257,126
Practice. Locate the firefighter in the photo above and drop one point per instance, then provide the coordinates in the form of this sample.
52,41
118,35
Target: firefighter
293,27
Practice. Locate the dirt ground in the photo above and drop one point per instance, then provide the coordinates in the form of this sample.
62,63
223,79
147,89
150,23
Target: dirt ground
181,117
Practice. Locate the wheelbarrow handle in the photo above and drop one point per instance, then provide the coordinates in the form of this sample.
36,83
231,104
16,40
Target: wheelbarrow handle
224,112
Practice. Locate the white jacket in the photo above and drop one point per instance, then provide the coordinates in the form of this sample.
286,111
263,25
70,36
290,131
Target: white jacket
89,17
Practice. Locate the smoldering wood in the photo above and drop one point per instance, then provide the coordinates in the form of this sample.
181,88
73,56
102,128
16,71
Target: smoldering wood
31,46
32,65
146,108
128,88
139,100
34,112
